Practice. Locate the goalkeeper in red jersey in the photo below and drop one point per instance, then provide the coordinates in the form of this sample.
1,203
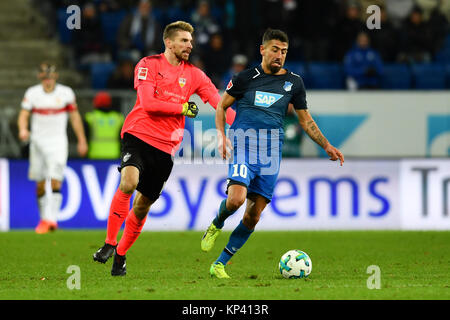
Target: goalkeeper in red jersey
151,134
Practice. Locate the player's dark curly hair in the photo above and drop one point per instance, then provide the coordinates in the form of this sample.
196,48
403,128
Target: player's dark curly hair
274,34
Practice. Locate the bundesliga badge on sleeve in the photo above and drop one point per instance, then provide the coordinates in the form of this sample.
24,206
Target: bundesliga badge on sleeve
230,85
142,73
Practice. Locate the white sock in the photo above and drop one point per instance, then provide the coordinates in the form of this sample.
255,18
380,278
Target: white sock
42,204
56,201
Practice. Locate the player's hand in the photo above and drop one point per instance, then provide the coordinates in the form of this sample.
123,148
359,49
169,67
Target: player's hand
82,148
224,148
334,153
24,135
190,109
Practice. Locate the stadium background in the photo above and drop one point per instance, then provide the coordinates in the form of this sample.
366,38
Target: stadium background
396,136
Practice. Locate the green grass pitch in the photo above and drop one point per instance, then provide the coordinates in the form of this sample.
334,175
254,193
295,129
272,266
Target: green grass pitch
171,266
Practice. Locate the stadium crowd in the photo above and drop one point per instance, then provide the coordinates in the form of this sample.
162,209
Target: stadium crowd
326,36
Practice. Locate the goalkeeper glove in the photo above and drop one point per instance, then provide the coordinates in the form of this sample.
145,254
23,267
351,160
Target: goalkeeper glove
190,109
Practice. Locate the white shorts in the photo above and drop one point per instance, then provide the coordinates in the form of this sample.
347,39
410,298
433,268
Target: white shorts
48,160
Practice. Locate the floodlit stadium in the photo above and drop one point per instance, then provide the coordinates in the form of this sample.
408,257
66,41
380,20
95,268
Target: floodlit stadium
90,87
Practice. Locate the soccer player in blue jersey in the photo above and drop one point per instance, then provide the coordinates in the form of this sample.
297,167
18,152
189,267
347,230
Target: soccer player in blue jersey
263,95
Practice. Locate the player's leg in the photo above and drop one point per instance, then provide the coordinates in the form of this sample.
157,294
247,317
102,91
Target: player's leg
239,177
130,169
120,204
56,160
38,172
43,225
255,205
157,166
55,203
237,194
133,226
118,212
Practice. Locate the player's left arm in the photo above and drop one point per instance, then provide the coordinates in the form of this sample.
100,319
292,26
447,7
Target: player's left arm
310,127
77,126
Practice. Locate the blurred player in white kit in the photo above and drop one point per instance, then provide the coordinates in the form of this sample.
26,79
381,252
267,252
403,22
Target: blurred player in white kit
50,105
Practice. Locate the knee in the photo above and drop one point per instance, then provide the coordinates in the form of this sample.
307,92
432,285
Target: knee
40,189
128,185
235,202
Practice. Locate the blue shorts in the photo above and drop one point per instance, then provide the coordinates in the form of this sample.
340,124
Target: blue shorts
259,179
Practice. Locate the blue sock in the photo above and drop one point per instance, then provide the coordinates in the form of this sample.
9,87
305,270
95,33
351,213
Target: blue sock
238,237
223,214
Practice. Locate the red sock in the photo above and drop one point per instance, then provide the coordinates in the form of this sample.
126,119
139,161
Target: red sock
133,228
120,206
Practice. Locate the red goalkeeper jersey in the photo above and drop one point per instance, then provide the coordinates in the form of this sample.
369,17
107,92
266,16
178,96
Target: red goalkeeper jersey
161,91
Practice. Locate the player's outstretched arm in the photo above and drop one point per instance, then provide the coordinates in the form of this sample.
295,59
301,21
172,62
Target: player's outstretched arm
22,123
310,127
225,102
77,125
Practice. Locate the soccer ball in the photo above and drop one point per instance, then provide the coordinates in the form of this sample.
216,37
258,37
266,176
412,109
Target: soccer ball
295,264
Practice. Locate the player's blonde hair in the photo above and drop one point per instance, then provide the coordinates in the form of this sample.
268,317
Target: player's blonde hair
172,28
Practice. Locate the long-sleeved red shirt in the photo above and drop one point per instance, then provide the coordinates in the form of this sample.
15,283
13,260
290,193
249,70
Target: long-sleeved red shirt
161,91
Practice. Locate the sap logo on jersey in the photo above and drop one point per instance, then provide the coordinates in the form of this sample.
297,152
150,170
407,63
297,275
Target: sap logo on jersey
266,99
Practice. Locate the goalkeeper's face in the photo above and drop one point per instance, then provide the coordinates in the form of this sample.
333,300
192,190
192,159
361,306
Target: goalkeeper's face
274,55
181,45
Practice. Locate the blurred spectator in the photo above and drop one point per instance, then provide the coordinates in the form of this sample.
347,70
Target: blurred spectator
386,39
439,27
293,134
139,33
317,21
239,63
204,24
398,10
347,29
444,8
114,5
123,76
88,41
416,43
363,65
247,26
427,7
103,125
216,59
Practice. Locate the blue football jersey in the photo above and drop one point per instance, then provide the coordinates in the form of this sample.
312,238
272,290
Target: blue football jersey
262,102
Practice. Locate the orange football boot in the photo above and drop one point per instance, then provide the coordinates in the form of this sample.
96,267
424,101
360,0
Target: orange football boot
42,227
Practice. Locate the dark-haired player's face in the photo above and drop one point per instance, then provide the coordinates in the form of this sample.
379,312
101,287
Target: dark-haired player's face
274,55
181,45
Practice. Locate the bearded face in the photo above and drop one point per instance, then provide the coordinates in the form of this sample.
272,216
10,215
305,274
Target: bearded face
274,55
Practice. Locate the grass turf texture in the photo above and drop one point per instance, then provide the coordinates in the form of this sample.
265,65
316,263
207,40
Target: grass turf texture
170,265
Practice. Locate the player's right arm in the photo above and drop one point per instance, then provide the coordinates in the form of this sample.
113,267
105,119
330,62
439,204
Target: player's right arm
24,116
145,85
22,123
225,102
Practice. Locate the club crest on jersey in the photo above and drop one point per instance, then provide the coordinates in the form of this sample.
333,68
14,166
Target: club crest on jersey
142,73
287,86
266,99
182,82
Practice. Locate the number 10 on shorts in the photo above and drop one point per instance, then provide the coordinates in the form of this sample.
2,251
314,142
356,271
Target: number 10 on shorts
242,170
